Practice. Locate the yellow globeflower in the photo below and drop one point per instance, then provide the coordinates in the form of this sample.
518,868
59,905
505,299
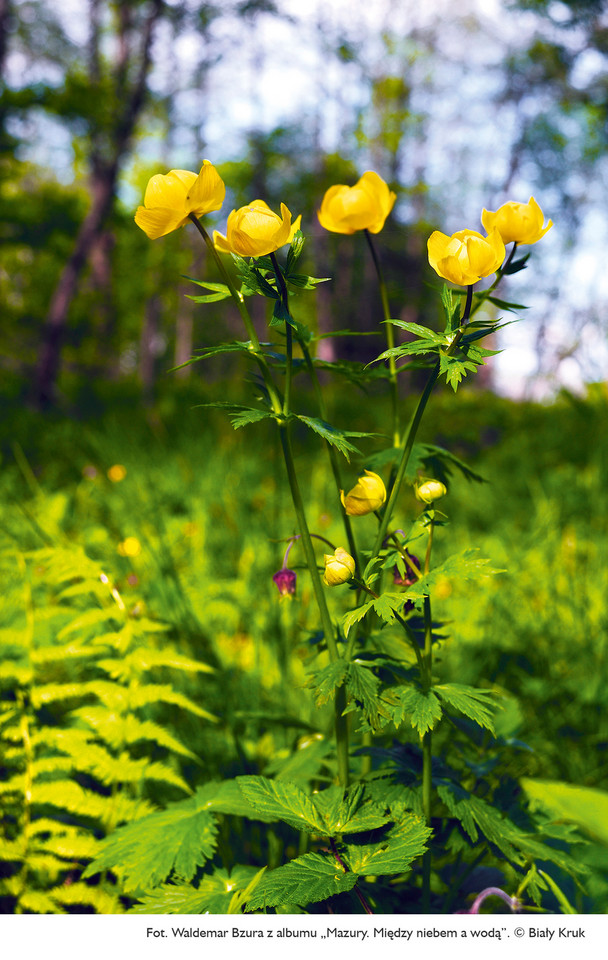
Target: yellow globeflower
171,197
254,230
130,547
117,473
519,222
366,496
466,256
362,207
339,567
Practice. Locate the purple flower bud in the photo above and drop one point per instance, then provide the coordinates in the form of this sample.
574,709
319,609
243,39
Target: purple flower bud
285,580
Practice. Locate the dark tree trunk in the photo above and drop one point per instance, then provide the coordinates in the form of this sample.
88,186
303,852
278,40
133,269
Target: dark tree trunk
104,176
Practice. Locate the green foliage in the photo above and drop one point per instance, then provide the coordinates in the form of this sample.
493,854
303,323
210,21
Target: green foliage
82,750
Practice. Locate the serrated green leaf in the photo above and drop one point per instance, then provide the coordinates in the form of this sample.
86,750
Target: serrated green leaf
305,880
239,414
350,619
326,681
421,707
280,800
467,565
394,853
475,704
176,840
213,894
362,687
336,437
349,811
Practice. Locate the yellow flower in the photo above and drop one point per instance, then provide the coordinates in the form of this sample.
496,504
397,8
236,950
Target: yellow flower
430,490
254,230
362,207
466,256
339,567
130,547
368,495
117,473
521,222
171,197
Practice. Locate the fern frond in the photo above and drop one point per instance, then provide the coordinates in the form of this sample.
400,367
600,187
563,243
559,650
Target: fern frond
36,901
163,693
79,893
117,730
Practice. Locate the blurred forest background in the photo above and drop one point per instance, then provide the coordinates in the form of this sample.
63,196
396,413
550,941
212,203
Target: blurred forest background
457,109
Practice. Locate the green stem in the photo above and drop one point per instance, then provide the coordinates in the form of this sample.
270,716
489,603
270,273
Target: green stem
390,340
341,722
331,450
427,749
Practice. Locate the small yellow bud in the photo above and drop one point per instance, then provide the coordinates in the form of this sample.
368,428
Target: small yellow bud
368,495
430,490
339,567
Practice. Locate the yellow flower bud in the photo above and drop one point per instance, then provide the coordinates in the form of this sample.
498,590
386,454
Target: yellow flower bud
466,256
362,207
254,230
430,490
339,567
368,495
170,198
519,222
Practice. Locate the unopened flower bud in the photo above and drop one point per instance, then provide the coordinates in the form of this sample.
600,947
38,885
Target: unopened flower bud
285,580
366,496
339,567
430,490
409,577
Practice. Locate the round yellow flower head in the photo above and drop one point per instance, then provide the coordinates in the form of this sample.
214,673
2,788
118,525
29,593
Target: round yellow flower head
430,490
339,567
362,207
366,496
466,256
254,230
117,473
130,547
171,197
518,222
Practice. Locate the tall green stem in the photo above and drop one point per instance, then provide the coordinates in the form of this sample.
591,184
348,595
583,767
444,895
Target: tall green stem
341,722
427,748
390,340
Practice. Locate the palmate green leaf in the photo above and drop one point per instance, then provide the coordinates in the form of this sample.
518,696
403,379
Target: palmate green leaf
336,437
394,853
362,688
279,800
467,565
213,894
349,811
584,806
176,840
475,704
239,414
325,682
307,879
455,369
421,707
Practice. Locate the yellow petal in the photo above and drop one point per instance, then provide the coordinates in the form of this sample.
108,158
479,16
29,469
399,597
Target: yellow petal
207,192
158,222
169,189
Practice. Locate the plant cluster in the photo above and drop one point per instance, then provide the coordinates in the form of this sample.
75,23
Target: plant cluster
406,801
